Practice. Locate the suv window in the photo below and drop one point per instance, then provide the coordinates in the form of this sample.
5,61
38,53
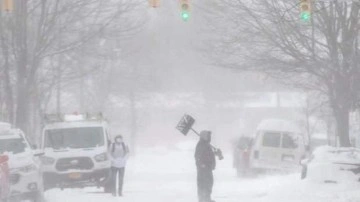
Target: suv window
271,139
13,145
289,142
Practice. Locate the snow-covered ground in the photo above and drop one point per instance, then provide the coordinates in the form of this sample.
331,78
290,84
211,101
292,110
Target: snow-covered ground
168,175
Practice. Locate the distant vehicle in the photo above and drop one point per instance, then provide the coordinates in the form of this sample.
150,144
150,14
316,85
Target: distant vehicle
4,178
332,165
242,149
25,169
76,151
278,145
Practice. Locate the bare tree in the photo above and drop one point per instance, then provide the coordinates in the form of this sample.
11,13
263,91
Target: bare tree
38,31
321,55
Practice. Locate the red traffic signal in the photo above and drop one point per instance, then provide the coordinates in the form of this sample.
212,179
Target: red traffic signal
154,3
7,5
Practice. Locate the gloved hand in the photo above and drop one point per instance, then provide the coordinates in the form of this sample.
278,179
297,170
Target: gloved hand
219,154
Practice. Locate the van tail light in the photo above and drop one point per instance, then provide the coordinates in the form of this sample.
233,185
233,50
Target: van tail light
256,154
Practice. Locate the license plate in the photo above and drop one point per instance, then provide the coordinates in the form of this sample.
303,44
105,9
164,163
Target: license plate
75,175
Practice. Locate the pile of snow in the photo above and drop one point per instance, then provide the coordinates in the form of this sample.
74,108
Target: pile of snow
334,165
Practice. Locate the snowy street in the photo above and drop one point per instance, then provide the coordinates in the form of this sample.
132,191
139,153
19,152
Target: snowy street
142,98
162,175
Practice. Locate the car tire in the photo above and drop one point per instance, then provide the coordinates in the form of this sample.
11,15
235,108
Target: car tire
38,197
303,172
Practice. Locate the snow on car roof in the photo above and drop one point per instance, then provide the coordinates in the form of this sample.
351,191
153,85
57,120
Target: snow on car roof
5,126
75,124
10,134
278,125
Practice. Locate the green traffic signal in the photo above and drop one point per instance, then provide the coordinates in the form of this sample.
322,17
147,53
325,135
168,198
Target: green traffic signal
305,16
185,16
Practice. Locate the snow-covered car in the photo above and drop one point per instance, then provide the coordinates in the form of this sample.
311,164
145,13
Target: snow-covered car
4,178
332,165
278,145
25,169
76,151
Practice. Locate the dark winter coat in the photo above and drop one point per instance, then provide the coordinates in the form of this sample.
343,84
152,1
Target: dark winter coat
204,156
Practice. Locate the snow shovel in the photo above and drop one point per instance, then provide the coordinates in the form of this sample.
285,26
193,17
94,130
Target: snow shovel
186,124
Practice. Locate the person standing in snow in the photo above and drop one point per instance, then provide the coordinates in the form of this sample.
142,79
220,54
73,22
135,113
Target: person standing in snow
205,164
119,154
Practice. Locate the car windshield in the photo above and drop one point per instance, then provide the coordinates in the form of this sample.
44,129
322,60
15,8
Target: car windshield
84,137
13,145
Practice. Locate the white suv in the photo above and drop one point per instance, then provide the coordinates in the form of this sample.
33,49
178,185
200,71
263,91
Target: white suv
76,152
25,171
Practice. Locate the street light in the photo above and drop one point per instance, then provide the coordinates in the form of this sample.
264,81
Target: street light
7,5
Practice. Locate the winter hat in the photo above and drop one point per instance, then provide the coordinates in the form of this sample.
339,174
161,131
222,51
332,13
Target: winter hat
205,134
118,137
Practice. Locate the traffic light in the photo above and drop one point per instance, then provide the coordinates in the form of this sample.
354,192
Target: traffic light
305,10
7,5
185,9
154,3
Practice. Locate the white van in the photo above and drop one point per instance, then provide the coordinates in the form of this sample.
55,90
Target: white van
76,151
278,145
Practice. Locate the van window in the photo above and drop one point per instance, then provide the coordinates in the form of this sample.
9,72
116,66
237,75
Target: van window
271,139
289,142
82,137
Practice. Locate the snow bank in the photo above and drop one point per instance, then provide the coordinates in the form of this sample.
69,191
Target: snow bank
334,165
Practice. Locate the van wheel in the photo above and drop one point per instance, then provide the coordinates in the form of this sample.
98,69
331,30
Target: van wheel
38,197
303,172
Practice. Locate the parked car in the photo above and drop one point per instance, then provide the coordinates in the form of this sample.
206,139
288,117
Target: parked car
76,151
332,165
25,172
4,178
278,145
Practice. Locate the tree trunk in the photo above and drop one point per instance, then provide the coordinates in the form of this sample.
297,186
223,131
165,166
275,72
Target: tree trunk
9,100
22,98
342,126
133,121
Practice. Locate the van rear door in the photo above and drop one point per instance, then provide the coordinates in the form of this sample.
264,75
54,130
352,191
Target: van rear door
292,147
269,150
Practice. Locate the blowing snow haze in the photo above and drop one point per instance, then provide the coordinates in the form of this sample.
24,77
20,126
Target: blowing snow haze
157,91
